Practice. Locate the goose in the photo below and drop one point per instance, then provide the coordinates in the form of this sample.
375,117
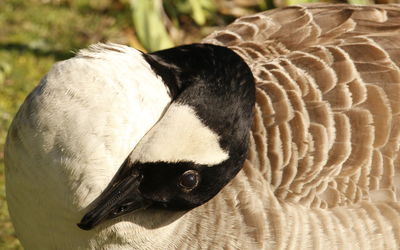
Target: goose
279,131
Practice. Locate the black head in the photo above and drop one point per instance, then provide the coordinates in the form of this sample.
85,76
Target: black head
200,143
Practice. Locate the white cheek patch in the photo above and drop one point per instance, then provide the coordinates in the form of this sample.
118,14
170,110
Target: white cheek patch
180,136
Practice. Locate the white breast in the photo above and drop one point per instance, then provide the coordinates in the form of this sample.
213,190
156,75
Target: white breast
70,137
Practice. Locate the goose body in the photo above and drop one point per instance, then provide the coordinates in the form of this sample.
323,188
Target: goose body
321,171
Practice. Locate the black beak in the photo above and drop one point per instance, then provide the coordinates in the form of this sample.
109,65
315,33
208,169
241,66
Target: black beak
122,196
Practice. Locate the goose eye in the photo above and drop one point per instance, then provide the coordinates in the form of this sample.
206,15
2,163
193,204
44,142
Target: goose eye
189,179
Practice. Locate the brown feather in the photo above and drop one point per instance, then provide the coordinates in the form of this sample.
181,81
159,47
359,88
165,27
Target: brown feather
325,133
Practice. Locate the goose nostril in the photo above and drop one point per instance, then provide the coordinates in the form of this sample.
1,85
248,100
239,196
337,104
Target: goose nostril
120,210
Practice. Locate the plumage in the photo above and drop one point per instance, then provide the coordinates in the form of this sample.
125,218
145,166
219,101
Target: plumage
322,169
199,144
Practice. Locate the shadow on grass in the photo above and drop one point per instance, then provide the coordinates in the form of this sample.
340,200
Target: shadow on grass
21,48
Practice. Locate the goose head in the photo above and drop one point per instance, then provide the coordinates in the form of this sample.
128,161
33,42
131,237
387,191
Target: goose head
198,145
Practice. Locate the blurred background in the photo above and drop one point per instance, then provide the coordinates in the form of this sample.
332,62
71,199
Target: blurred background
36,33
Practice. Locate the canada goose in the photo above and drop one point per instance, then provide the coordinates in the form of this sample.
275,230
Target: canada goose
322,165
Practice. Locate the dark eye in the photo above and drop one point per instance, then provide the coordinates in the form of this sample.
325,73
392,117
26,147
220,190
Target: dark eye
189,180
